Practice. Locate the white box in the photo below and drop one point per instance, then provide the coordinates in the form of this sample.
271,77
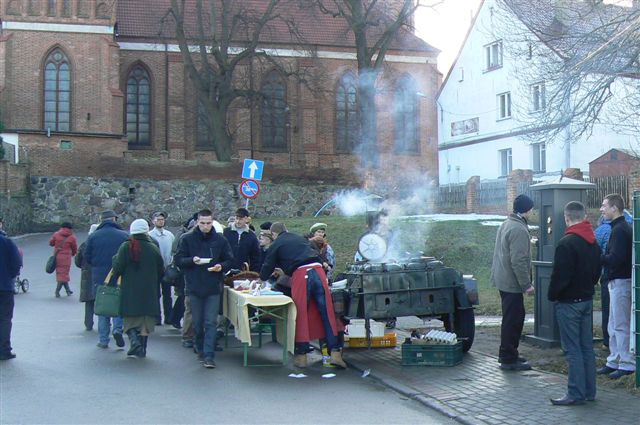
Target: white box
356,329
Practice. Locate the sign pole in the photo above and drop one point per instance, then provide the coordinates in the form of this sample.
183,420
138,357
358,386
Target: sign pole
246,204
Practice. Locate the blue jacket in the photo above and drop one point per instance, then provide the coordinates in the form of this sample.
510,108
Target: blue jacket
245,248
603,233
10,263
102,245
201,282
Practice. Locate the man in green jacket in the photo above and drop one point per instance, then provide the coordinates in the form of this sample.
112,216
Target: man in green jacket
511,274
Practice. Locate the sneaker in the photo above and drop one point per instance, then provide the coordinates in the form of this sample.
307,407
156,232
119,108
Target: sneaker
620,373
119,339
187,343
605,370
218,347
515,366
101,345
209,363
7,356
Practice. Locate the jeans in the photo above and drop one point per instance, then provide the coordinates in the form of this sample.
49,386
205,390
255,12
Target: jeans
620,325
104,327
315,291
576,332
6,315
187,324
512,324
204,312
167,302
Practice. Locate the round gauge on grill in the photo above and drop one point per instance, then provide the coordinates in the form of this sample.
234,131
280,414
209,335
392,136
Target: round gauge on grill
372,246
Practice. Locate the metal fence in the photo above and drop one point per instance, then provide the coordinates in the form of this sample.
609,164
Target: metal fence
604,186
492,193
452,196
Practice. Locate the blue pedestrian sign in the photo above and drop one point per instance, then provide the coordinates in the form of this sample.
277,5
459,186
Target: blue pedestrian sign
250,189
252,169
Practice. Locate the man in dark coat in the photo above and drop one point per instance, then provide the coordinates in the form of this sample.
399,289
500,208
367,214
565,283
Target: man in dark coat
102,245
576,270
315,316
204,256
10,263
617,263
244,243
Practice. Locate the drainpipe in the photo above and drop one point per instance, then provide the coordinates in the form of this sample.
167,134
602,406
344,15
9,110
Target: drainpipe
166,98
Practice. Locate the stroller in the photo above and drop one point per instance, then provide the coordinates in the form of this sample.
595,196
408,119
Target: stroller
21,284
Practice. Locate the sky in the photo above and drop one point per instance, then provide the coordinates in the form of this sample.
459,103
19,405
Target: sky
444,26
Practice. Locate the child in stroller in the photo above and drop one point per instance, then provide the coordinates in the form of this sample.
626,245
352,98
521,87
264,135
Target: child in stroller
21,284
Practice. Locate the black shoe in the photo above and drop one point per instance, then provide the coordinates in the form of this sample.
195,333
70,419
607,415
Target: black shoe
177,325
209,363
217,348
515,366
620,373
522,360
187,343
117,336
605,370
69,293
7,356
565,401
88,329
57,294
219,333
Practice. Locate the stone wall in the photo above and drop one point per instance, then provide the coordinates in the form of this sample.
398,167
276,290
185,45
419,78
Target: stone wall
16,214
81,199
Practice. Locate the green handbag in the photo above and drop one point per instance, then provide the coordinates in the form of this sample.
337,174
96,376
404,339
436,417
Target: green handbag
108,298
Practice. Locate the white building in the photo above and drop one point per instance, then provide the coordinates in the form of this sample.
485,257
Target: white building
486,101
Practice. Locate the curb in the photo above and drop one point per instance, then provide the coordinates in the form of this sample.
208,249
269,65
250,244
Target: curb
416,395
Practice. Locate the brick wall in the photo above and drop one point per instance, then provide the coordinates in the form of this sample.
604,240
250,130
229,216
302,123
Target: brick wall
13,178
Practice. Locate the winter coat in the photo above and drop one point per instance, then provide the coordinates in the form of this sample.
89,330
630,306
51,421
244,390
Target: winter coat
617,257
10,263
102,245
200,281
576,265
64,242
245,248
140,280
289,251
511,267
87,292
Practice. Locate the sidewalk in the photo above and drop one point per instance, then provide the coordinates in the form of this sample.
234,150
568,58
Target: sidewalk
478,392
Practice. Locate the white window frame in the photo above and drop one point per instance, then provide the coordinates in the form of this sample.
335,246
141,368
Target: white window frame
539,157
493,56
506,161
538,97
503,101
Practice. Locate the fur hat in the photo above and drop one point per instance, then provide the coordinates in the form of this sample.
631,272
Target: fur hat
139,226
522,204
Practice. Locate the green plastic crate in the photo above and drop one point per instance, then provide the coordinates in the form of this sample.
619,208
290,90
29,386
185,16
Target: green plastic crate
431,354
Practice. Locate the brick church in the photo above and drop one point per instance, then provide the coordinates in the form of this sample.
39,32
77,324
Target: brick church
99,88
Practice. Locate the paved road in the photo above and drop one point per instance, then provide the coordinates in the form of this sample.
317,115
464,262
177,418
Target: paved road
61,377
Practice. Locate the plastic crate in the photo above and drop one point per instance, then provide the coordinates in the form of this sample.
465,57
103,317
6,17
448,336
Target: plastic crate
431,354
387,341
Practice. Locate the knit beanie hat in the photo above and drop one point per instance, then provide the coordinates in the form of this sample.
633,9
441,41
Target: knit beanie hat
139,226
318,226
522,204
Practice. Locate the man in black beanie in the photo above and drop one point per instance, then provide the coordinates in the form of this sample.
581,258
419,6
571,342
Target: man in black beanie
511,274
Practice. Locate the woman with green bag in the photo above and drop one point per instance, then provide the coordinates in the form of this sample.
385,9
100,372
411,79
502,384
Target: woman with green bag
140,265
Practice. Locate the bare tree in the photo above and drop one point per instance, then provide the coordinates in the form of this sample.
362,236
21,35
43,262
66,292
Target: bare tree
375,26
587,55
226,35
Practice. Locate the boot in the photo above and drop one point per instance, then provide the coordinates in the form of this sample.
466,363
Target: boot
135,343
144,345
58,288
300,360
336,359
66,288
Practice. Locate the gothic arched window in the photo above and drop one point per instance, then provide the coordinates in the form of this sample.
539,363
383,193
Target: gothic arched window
138,112
406,116
347,124
274,111
57,92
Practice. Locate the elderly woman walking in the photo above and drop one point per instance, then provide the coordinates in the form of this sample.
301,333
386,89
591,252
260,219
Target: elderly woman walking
65,246
87,290
140,264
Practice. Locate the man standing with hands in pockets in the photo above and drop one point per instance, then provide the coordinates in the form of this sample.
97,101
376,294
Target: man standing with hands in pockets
511,274
204,255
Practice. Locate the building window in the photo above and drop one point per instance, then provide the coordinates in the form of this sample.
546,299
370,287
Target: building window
347,123
406,116
538,99
138,107
83,9
539,155
57,92
34,7
505,162
204,136
493,55
66,8
504,105
274,111
51,7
